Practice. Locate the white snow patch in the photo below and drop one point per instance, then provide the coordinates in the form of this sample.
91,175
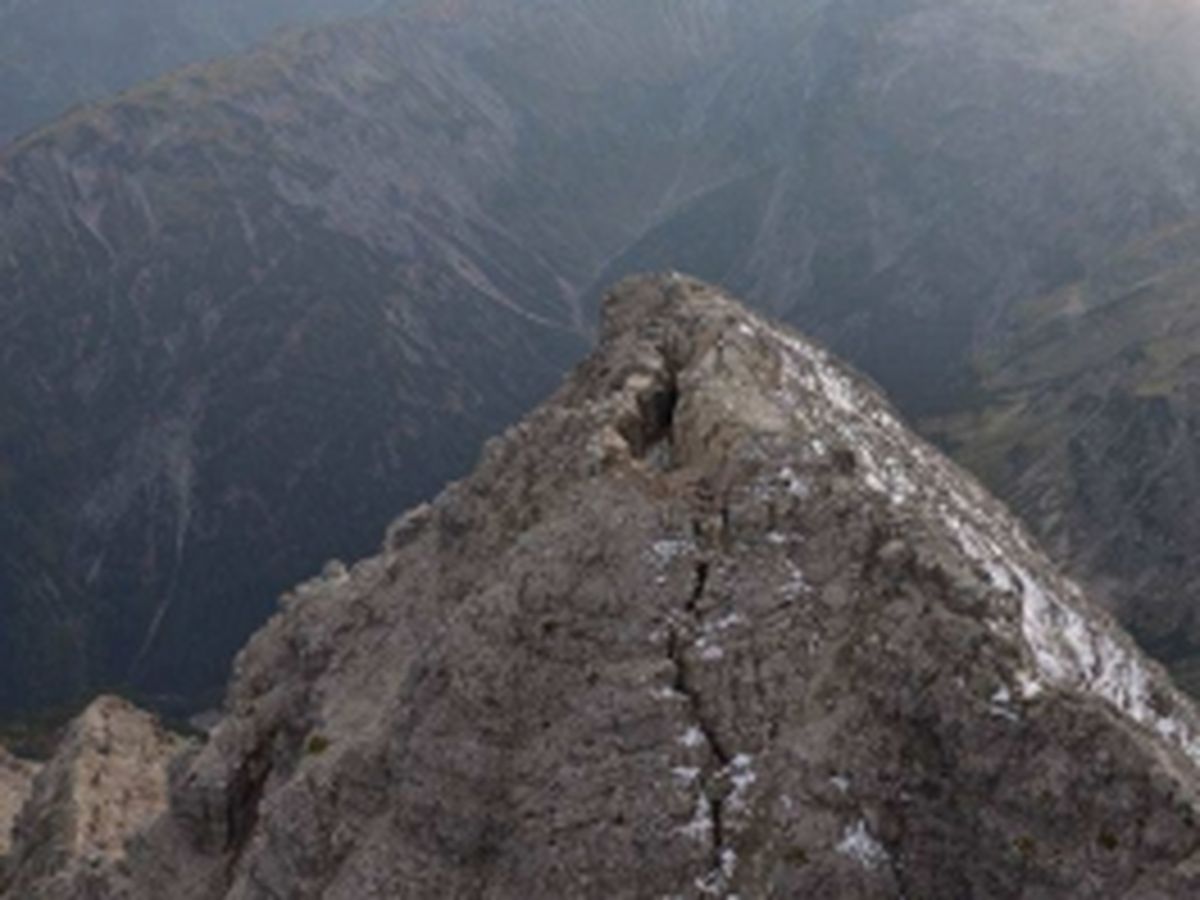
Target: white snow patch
1029,685
1069,648
999,576
726,622
793,483
836,387
742,778
710,652
900,487
1073,650
728,862
686,774
666,551
701,825
858,844
795,582
841,782
1002,711
693,737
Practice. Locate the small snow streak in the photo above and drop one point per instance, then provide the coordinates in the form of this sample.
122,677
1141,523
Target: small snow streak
858,844
701,825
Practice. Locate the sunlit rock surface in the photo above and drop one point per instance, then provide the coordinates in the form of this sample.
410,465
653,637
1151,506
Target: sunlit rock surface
106,781
16,781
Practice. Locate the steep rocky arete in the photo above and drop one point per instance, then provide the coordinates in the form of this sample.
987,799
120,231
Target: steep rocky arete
16,781
108,778
710,622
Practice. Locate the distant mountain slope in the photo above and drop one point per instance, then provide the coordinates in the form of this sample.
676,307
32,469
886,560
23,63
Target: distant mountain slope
921,164
1088,422
251,309
57,53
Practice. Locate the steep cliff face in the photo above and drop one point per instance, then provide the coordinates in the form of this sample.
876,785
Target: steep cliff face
254,307
709,622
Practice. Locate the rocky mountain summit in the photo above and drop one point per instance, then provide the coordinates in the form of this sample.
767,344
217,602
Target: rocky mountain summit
710,622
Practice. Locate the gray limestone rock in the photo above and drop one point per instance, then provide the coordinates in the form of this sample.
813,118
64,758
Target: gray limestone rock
710,622
106,781
16,781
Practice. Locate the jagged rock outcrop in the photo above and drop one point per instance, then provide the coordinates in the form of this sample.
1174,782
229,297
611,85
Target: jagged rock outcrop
711,621
106,781
16,781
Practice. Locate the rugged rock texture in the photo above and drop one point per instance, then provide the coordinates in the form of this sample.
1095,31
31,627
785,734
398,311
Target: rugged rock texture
16,781
106,781
1087,421
57,53
251,309
709,622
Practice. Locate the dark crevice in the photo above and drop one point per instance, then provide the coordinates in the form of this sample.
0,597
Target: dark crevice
683,685
659,410
243,799
708,783
698,584
712,779
655,418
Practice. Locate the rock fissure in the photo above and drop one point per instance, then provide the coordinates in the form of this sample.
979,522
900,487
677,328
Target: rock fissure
712,780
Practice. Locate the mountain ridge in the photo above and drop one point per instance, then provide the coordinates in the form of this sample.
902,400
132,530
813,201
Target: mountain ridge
709,621
59,54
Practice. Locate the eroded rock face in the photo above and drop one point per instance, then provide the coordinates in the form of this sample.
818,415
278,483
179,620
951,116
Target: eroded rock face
16,781
709,622
106,781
